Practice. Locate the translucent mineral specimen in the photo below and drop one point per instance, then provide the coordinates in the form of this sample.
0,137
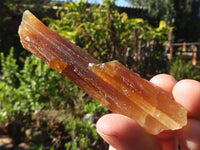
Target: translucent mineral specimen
153,108
118,88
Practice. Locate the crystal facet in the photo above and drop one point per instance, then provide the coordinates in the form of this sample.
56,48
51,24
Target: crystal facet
149,105
118,88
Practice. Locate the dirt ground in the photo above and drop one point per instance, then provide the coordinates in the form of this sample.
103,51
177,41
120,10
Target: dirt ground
6,144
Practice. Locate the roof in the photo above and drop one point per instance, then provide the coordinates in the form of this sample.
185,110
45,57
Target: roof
132,11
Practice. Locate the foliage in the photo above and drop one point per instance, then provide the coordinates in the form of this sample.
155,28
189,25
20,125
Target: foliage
21,89
109,35
20,5
38,147
10,14
35,87
163,9
184,70
183,14
83,134
103,32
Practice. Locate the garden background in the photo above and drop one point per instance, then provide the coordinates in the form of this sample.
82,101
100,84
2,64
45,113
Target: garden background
40,107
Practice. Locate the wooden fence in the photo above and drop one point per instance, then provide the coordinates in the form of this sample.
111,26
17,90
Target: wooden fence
188,51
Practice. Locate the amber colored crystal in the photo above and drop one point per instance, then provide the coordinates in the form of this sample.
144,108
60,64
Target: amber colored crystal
118,88
152,107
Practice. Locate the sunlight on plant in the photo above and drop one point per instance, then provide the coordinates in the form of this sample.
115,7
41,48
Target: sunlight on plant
184,70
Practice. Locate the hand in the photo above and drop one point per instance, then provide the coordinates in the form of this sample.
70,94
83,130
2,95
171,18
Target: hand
123,133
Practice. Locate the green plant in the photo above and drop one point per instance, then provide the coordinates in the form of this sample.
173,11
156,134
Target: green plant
21,90
103,32
182,14
184,70
83,134
109,35
38,147
36,88
94,108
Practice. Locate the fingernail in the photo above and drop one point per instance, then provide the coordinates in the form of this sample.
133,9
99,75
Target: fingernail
113,140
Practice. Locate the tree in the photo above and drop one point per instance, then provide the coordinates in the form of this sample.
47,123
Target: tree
109,35
164,9
183,14
10,14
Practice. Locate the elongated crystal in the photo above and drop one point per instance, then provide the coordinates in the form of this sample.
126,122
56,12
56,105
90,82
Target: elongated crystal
118,88
146,103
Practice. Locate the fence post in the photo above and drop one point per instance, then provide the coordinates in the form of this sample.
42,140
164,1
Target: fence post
194,61
184,47
170,54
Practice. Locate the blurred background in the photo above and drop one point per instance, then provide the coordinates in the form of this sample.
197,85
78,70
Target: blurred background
40,109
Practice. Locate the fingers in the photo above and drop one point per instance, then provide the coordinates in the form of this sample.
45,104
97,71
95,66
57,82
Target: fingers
111,148
189,136
187,93
166,82
125,134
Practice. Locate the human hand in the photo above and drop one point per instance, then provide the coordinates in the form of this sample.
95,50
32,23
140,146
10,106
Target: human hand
123,133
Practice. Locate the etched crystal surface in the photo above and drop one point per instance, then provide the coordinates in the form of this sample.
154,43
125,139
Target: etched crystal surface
118,88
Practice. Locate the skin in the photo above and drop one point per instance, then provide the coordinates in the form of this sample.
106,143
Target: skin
123,133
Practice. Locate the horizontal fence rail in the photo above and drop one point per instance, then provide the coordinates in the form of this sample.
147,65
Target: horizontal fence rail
188,51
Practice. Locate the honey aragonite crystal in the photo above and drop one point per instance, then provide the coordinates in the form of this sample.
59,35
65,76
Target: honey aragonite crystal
112,84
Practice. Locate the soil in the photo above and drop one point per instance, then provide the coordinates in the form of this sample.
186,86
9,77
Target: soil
6,144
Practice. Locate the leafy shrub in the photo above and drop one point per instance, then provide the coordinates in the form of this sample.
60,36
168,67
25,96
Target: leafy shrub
35,88
184,70
23,91
103,32
109,35
83,134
